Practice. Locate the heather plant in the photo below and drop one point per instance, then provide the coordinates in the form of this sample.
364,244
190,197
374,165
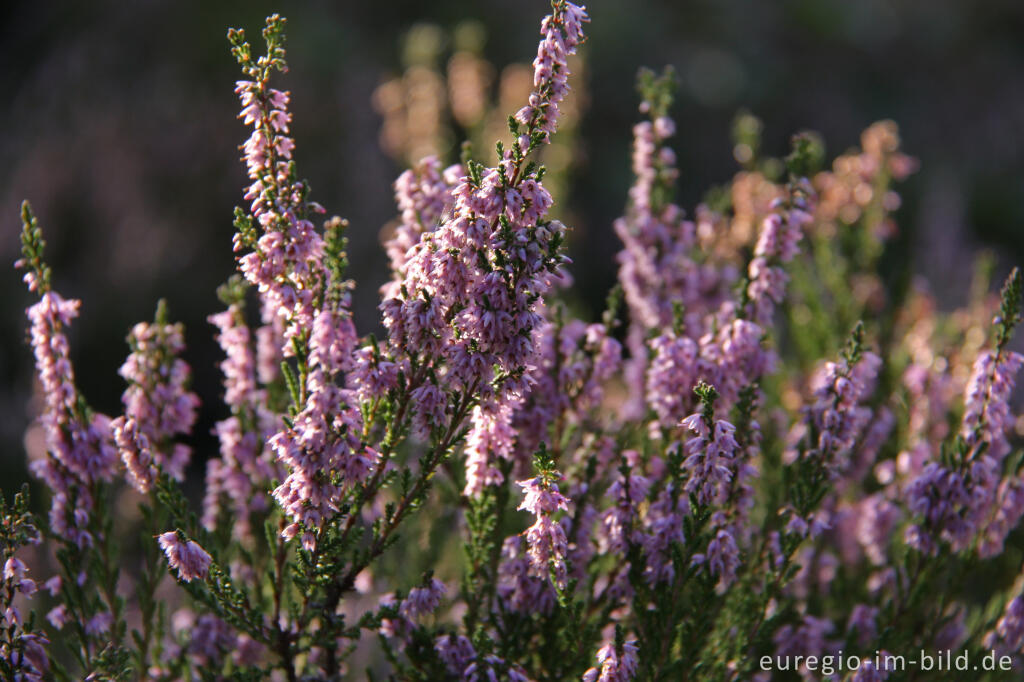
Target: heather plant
763,462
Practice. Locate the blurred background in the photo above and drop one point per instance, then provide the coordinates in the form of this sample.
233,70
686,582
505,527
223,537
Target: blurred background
119,126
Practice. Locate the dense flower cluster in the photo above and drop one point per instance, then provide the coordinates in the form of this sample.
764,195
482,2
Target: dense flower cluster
717,472
246,465
78,440
321,446
185,556
157,404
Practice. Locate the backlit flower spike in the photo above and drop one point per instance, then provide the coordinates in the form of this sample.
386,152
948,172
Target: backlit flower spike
158,407
78,440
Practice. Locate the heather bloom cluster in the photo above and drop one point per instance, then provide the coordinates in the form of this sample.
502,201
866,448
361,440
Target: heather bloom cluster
238,479
615,663
423,195
321,446
158,406
777,244
545,538
711,471
461,316
184,556
78,440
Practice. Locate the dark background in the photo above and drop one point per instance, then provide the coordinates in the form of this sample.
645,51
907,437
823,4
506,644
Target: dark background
118,123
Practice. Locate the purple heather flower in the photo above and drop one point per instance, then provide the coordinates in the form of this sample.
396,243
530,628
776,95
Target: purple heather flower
423,600
709,458
246,465
987,414
673,372
135,453
468,303
863,622
492,668
805,639
189,559
157,400
545,539
99,624
619,524
563,33
80,443
423,195
722,557
663,526
614,665
456,651
58,616
1008,510
876,519
837,415
777,244
520,589
1008,635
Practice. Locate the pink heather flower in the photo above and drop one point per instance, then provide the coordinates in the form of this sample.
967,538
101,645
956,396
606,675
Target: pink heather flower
545,539
239,366
324,441
423,195
776,245
286,263
58,616
563,33
246,465
656,267
79,442
321,449
53,585
468,302
135,453
157,401
614,665
99,624
14,569
188,558
491,437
